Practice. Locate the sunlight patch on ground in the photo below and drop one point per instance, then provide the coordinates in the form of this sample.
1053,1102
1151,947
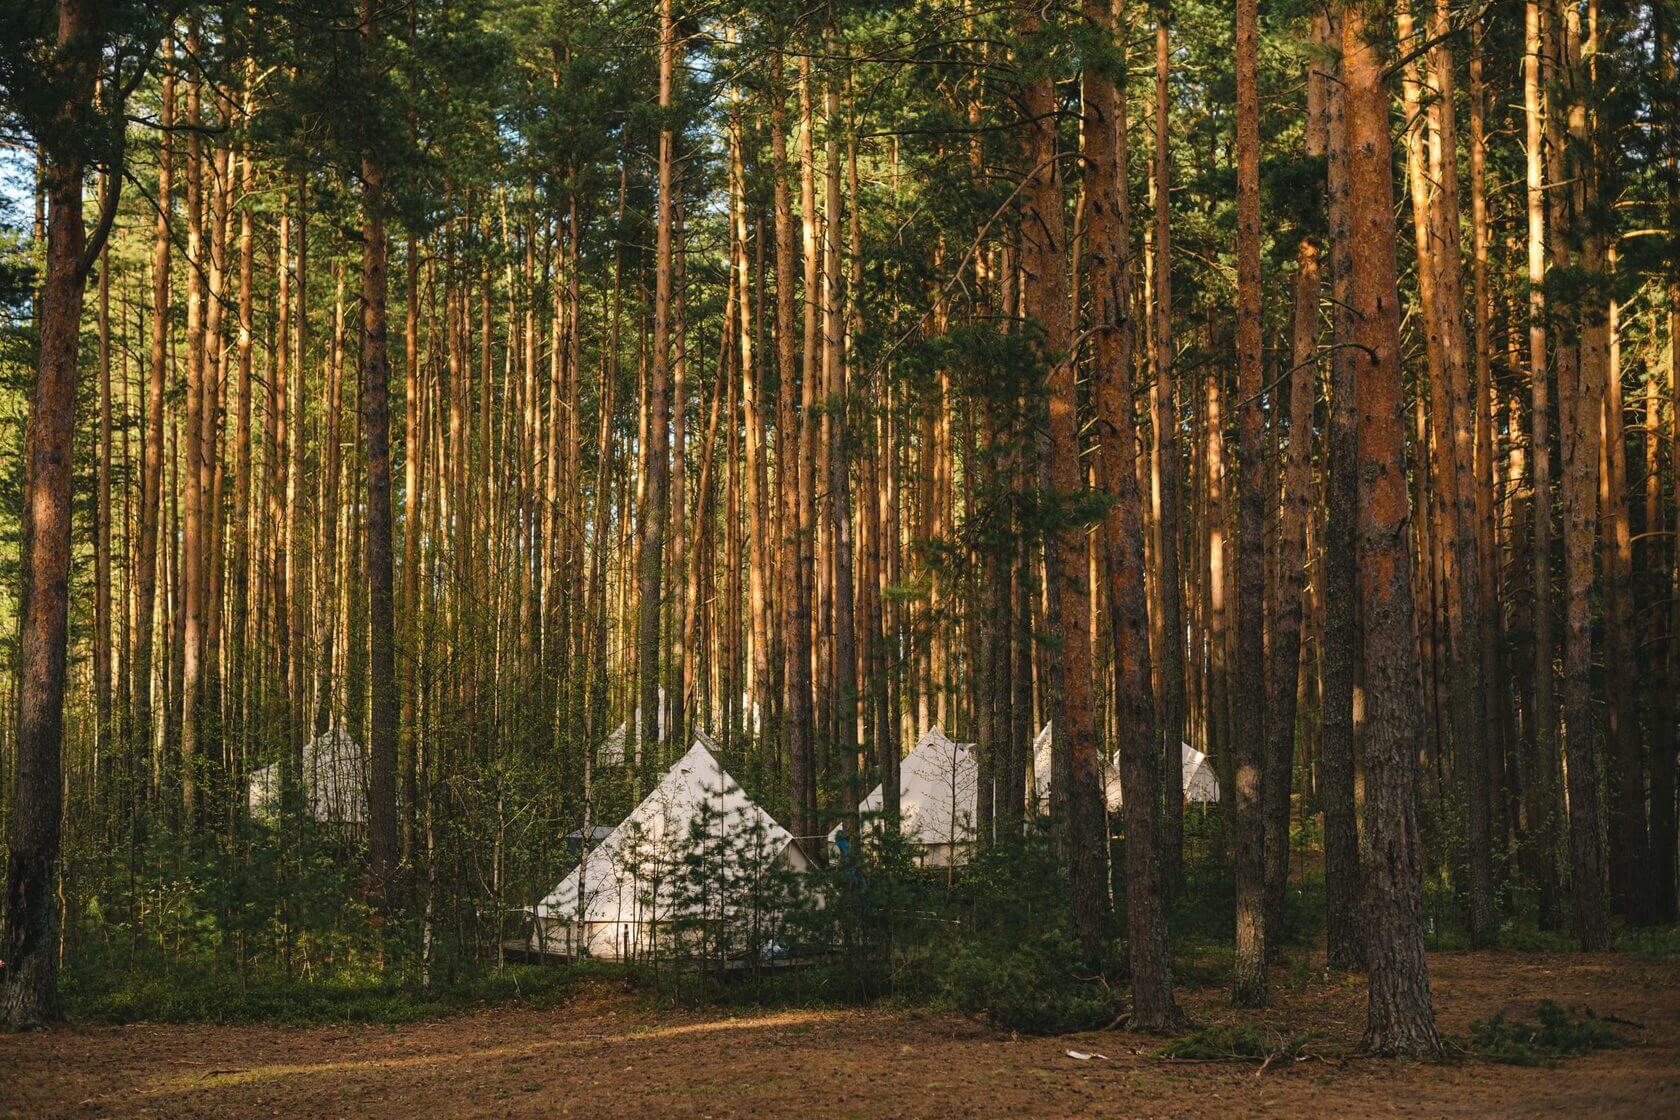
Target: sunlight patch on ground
221,1078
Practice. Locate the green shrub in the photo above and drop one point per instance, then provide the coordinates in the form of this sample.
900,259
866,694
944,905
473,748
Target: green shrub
1659,943
1557,1035
1034,988
162,997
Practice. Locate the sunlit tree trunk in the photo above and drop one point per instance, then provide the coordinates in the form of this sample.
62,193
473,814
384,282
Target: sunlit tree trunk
1541,741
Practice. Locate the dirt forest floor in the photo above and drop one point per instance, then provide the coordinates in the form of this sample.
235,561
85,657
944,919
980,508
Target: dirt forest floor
606,1055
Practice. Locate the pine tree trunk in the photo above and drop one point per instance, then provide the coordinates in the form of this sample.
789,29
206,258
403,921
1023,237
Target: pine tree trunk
240,640
1400,1018
29,941
298,547
1283,672
1665,741
1171,701
1109,269
192,529
1488,611
1581,355
1471,738
1079,827
1629,841
1248,687
102,676
377,540
793,433
657,445
1343,882
1542,744
835,373
151,495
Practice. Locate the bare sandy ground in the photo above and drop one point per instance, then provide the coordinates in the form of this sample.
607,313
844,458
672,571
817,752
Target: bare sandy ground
605,1055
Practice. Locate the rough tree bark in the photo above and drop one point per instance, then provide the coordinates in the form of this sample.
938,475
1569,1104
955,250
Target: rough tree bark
1400,1018
30,938
1079,827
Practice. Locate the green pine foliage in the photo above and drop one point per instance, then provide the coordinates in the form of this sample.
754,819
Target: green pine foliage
1558,1034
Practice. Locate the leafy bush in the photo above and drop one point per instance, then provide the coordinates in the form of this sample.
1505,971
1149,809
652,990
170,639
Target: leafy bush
1557,1035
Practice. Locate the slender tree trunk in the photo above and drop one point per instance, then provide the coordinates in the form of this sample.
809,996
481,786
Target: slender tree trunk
30,941
1080,832
240,642
1629,842
1665,895
298,546
1109,268
1283,675
151,495
1168,498
839,462
658,432
1249,697
1343,886
1581,354
1400,1017
795,620
102,677
1542,738
327,514
1488,610
1473,737
377,539
192,528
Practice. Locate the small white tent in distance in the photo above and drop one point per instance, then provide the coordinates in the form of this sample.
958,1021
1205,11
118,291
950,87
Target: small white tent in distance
614,901
612,750
1201,786
334,779
938,785
1039,780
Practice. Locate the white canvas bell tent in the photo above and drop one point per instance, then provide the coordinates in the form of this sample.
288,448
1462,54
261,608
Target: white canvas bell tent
1201,786
1039,789
612,750
615,901
938,784
334,779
